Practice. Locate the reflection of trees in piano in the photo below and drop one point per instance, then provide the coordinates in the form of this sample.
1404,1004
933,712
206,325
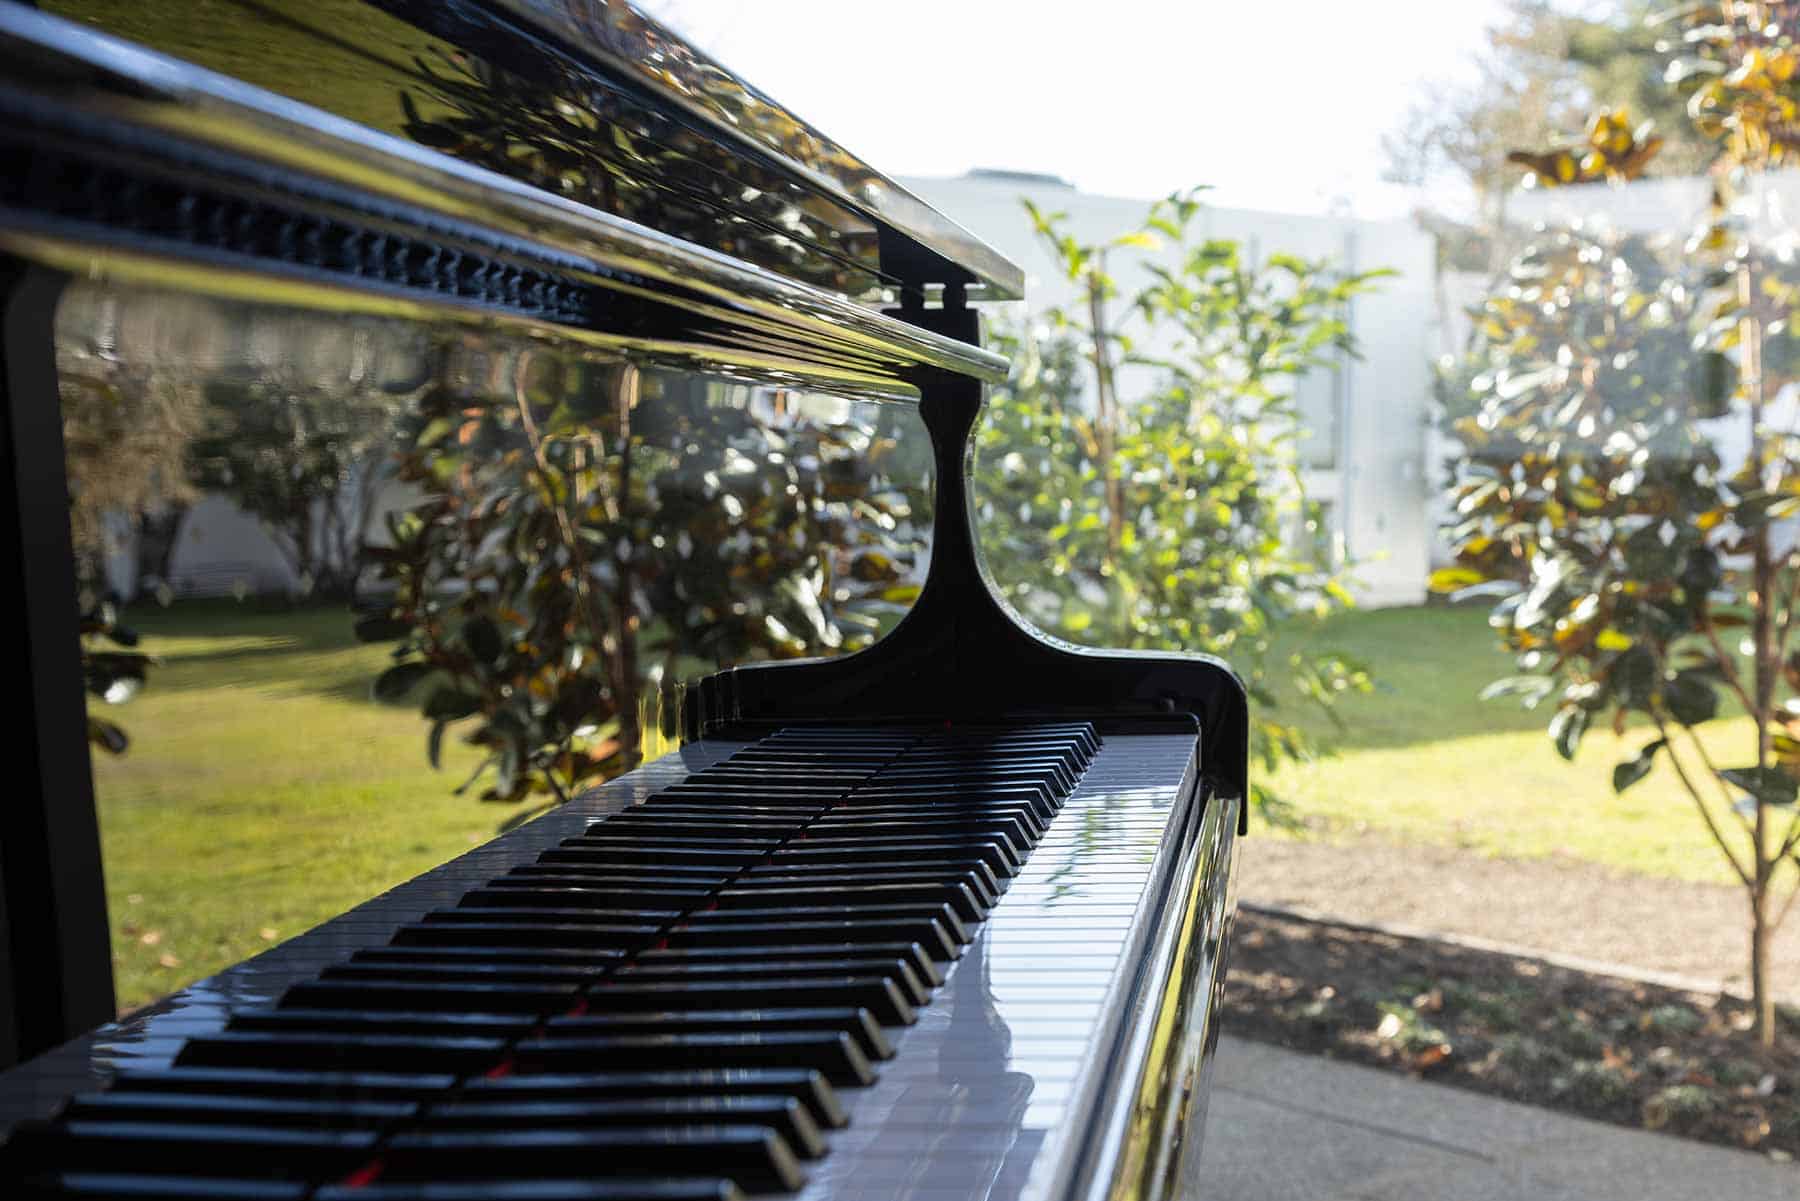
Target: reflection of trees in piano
168,396
1165,520
563,130
590,532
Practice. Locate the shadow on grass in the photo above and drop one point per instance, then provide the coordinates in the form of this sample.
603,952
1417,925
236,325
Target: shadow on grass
254,643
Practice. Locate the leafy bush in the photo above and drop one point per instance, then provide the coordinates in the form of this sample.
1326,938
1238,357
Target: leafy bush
1173,519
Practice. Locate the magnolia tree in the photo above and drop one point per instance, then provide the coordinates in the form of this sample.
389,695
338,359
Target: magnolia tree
1646,580
1171,517
588,533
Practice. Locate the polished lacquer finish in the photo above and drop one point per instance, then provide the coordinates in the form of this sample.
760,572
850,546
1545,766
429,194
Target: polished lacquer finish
943,919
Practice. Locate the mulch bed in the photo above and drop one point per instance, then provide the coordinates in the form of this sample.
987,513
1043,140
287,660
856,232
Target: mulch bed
1602,1047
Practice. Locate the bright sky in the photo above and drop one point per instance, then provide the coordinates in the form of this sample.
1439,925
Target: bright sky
1278,105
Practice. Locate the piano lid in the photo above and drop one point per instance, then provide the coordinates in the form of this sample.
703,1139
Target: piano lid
593,102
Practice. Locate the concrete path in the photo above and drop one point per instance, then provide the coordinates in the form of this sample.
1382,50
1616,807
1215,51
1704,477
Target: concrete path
1290,1127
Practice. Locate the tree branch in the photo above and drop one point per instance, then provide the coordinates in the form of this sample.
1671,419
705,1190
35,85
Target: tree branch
1712,827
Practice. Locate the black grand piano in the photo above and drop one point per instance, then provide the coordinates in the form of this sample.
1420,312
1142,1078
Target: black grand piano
944,918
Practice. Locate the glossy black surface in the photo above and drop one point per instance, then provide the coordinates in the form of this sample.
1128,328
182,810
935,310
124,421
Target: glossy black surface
590,101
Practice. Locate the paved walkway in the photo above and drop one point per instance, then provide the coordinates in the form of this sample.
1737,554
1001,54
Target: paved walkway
1290,1127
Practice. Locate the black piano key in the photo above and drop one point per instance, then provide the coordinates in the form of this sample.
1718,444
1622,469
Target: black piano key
580,1188
849,853
951,794
644,853
266,1082
385,988
633,881
1016,834
522,934
985,769
802,974
929,922
189,1148
978,883
428,1023
125,1105
909,955
128,1186
807,1087
833,1055
752,934
470,914
546,967
756,1157
1019,815
787,1116
363,1052
957,897
688,992
857,1022
996,851
668,875
724,823
973,872
574,893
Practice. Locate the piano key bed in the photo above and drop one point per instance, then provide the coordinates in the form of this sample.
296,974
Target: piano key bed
847,962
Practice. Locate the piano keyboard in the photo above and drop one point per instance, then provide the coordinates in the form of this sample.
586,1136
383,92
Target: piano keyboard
865,963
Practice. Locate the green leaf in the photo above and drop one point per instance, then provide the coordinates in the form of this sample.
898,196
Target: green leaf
394,683
1769,785
483,639
449,703
1690,698
1634,769
1566,729
1453,579
107,736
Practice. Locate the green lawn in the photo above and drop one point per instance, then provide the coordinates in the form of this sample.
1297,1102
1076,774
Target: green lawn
1424,758
264,792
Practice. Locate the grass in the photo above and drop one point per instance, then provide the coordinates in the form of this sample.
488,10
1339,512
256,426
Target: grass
263,792
1424,759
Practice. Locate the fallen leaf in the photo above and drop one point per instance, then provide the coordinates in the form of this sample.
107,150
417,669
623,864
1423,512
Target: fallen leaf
151,937
168,960
269,933
1390,1026
1432,1057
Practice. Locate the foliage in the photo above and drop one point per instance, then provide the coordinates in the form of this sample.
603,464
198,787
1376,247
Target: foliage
299,451
587,530
1167,521
1542,69
1642,575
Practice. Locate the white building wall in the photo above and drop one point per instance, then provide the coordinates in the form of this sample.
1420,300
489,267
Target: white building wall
1375,481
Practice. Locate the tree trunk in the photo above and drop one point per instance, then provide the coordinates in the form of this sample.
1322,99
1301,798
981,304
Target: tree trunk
1762,992
631,737
1106,419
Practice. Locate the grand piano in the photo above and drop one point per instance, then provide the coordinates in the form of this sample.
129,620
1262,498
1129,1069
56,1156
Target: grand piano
943,918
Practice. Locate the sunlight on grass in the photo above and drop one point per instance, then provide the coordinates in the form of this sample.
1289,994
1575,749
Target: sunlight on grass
263,792
1425,759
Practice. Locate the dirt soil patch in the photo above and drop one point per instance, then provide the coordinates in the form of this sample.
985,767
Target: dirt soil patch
1558,904
1603,1047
